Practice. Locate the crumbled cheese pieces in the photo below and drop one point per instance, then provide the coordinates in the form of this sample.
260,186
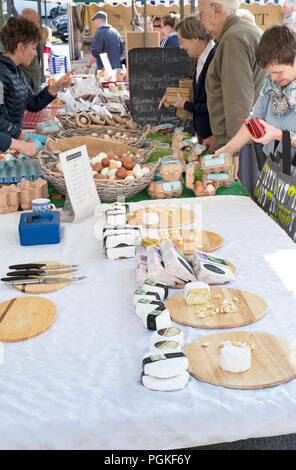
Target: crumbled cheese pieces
227,306
238,344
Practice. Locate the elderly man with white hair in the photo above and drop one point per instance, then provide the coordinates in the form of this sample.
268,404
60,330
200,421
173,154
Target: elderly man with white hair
234,79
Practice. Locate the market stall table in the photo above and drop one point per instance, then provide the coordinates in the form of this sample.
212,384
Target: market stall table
77,385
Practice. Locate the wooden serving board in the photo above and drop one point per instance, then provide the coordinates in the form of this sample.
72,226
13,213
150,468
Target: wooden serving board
45,288
273,360
251,307
25,317
189,240
168,217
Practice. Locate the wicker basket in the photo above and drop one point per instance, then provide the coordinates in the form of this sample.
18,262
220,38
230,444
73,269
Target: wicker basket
135,138
108,190
96,145
96,120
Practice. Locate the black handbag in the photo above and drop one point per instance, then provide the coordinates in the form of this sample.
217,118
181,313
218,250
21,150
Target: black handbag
275,190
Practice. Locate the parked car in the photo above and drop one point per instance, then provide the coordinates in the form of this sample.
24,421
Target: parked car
52,8
60,28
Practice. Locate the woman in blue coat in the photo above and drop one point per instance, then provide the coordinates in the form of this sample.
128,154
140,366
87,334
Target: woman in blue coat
20,37
199,45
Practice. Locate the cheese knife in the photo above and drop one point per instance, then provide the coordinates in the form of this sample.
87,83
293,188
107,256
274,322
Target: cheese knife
39,272
42,266
38,280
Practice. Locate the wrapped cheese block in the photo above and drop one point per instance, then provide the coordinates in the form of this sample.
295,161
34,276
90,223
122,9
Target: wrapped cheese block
115,216
154,286
168,334
197,293
173,383
123,230
175,262
235,358
165,365
145,294
144,306
211,269
156,269
121,252
157,319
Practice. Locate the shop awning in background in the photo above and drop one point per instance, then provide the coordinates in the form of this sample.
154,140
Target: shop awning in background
128,3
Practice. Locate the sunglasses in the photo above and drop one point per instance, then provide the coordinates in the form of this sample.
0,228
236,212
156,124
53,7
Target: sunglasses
156,26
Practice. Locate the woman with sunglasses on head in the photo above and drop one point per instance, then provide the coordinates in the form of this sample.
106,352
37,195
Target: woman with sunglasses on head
199,45
276,105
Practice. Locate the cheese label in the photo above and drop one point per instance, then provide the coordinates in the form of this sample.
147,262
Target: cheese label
169,331
166,345
162,357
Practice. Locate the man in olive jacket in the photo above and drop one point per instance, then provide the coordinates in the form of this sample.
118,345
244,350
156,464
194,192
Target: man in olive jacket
234,79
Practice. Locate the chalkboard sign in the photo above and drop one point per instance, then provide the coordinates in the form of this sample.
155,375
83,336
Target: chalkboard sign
151,71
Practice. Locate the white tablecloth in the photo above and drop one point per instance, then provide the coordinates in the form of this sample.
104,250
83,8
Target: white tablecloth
77,385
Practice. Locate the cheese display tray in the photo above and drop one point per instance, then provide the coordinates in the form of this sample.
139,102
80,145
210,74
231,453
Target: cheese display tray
25,317
250,308
161,217
45,288
273,360
188,240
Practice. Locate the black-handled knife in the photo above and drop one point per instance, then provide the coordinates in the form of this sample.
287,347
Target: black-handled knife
39,272
42,265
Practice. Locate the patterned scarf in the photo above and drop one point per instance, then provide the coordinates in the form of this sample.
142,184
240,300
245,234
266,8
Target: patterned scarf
283,97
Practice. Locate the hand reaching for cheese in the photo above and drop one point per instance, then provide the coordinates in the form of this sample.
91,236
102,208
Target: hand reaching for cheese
64,82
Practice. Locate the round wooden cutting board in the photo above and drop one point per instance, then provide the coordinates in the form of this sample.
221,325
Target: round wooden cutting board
273,360
45,288
25,317
189,240
168,217
251,307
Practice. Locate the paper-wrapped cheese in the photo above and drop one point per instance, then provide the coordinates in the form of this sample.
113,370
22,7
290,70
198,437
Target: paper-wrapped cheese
197,293
156,269
175,262
165,385
211,269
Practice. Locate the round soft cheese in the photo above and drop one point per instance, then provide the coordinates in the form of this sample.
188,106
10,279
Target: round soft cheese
162,347
168,334
235,358
173,383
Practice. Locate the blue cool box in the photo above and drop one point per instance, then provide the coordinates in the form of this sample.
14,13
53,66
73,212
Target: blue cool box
39,229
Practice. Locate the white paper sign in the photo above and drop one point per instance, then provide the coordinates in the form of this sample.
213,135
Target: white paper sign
107,66
80,184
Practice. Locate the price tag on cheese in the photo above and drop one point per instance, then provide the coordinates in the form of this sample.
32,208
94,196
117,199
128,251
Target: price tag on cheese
81,188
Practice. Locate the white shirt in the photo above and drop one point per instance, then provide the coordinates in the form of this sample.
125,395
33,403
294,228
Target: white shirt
203,57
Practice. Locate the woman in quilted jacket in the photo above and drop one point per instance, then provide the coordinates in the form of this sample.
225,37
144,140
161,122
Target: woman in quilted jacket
20,37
